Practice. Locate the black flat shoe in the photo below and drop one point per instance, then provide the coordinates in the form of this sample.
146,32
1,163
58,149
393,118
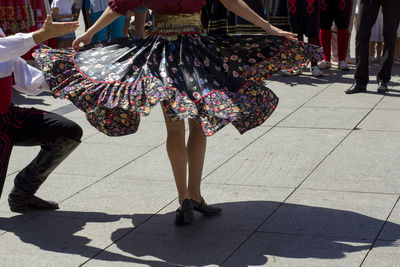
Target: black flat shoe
382,87
204,208
33,203
184,214
356,88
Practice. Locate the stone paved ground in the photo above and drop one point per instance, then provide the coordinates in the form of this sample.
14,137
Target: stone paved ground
317,185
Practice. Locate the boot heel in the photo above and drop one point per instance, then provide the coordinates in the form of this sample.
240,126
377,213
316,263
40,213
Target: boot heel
188,216
184,214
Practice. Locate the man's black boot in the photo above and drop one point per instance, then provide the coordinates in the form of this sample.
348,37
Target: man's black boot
28,181
356,88
382,87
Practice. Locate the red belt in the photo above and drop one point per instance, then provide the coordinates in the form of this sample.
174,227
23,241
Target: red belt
5,94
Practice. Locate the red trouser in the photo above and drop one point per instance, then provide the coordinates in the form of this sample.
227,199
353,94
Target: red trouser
338,11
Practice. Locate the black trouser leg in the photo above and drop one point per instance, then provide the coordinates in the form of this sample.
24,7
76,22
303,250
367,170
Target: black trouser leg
391,16
368,13
28,181
5,152
57,136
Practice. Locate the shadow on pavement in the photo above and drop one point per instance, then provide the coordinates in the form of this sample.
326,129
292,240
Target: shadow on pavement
23,99
293,231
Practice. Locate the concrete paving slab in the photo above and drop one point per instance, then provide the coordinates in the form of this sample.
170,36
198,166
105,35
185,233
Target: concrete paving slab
243,207
332,118
334,97
100,160
293,95
389,102
20,157
197,245
343,215
367,161
384,253
139,198
283,157
382,120
57,187
279,114
391,231
223,145
274,249
151,133
44,101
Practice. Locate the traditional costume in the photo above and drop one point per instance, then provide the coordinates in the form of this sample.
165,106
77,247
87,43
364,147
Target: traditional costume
215,81
338,11
57,136
221,21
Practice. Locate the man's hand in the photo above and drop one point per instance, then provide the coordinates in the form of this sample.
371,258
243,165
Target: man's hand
53,29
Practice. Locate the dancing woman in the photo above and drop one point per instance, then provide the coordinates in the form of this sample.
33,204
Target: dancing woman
209,81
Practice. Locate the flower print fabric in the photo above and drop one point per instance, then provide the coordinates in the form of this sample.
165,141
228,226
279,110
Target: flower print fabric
215,81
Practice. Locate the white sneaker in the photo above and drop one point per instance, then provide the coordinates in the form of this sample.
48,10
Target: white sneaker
351,61
316,72
291,72
287,72
324,65
343,65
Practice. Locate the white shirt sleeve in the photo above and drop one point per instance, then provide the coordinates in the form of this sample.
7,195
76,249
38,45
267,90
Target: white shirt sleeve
12,47
28,79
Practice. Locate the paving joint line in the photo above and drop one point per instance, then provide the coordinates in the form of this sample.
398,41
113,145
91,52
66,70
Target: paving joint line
380,231
311,189
354,239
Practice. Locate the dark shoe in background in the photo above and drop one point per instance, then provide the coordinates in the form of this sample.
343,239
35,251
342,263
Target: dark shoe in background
356,88
204,208
382,87
184,214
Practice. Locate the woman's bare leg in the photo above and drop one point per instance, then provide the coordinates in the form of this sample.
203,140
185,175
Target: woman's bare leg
196,150
177,154
140,21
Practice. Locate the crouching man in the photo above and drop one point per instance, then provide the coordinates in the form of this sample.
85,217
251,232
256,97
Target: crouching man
56,135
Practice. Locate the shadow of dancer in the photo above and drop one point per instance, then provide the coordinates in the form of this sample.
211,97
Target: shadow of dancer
293,231
58,232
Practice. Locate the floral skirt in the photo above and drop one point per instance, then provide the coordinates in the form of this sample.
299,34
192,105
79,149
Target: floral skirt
216,81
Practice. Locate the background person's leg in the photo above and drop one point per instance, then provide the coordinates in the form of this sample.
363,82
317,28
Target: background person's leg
102,34
391,17
368,12
116,28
